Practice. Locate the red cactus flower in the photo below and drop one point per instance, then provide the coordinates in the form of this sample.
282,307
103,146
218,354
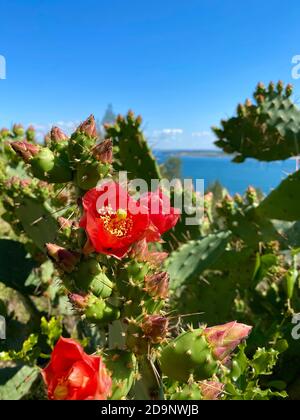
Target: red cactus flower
114,221
74,375
163,217
110,221
225,338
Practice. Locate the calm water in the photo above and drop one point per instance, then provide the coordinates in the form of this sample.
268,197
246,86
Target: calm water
235,177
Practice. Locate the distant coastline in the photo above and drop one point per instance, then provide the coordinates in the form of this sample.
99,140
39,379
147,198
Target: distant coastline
191,153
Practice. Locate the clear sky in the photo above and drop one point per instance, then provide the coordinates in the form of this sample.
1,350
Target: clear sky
183,65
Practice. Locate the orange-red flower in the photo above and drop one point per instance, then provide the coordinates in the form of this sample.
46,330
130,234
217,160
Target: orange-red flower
74,375
114,221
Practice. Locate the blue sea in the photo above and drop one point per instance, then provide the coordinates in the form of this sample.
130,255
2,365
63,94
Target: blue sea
235,177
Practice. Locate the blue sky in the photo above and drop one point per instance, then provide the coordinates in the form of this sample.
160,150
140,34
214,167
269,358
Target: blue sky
183,65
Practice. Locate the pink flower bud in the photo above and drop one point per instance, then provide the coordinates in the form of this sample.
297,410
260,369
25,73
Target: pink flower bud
225,338
57,135
157,285
88,127
211,390
26,150
155,328
64,223
104,151
78,301
65,260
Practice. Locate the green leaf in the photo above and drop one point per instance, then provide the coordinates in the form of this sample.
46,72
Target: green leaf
264,361
15,267
52,329
20,384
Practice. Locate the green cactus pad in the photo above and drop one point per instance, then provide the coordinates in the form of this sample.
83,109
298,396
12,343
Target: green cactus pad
268,130
38,221
189,354
283,203
132,151
194,257
123,366
187,392
90,278
100,312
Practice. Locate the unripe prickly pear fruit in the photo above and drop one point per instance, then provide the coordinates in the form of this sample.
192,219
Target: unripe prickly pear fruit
83,140
251,195
123,367
44,164
30,134
88,175
137,271
189,354
89,277
93,309
18,130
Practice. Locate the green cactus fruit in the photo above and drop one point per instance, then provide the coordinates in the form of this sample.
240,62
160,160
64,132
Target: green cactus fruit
80,144
89,174
89,277
99,312
189,354
283,203
50,167
123,367
137,271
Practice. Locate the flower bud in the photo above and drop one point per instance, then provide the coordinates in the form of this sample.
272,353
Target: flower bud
155,328
104,151
223,339
57,135
24,149
157,285
65,260
88,127
211,390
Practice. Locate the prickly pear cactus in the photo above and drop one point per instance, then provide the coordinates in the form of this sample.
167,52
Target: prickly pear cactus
195,256
266,130
109,275
132,152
